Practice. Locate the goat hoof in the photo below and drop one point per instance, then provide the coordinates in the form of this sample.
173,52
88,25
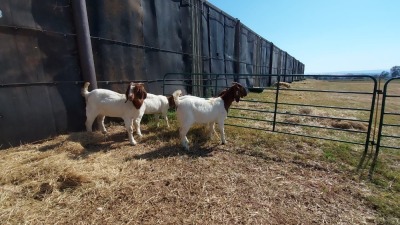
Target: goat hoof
185,147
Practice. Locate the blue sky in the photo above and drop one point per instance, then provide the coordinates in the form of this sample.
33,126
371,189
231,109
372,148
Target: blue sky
326,35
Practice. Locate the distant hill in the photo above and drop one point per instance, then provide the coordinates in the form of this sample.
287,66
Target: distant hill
356,72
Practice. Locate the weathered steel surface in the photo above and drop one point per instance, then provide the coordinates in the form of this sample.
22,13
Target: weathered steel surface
139,40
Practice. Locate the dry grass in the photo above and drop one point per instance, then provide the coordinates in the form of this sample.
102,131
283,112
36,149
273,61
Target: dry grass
81,178
256,178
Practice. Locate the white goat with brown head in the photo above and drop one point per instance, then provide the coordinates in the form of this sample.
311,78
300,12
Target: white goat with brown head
102,102
192,110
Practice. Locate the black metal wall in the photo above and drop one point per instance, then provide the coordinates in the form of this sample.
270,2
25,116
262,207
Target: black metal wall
40,74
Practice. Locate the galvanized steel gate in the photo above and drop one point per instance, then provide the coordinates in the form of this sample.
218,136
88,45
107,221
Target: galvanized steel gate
277,114
389,130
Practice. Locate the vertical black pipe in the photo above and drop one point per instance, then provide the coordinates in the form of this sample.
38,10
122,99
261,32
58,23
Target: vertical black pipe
271,61
236,50
84,42
285,78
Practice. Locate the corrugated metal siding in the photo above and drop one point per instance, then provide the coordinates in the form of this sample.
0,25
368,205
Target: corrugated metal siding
29,113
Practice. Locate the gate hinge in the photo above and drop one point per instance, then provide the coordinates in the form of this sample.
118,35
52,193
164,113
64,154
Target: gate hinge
379,91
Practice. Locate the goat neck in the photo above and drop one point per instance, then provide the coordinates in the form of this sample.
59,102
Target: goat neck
171,102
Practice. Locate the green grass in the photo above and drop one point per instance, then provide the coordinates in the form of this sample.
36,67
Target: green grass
385,182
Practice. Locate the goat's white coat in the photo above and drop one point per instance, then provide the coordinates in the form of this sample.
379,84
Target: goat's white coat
103,102
192,109
157,104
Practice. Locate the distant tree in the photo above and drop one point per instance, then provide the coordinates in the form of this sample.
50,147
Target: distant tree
384,74
395,71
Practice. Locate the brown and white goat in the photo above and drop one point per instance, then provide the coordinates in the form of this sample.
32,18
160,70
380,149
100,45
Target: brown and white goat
192,110
102,102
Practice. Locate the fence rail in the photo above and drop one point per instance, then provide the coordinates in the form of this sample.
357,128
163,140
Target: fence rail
270,112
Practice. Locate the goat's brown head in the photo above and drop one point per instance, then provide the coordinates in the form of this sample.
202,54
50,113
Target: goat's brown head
239,91
136,94
235,92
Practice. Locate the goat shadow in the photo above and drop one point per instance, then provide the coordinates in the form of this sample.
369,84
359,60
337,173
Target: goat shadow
198,146
174,151
89,143
94,142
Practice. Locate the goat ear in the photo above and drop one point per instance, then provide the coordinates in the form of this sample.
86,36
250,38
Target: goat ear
127,93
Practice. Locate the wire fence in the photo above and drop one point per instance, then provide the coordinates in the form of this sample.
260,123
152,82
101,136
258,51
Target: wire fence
347,121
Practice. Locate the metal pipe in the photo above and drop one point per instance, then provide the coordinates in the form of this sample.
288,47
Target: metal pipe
237,49
271,61
84,42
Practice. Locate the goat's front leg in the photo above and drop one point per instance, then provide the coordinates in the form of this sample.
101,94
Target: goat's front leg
128,126
185,142
90,117
136,123
157,118
211,130
100,122
166,119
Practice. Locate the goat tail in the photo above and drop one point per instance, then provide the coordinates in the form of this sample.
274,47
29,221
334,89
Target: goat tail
176,95
85,91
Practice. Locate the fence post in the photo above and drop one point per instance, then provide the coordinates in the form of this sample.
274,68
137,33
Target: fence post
276,103
84,42
371,117
237,50
271,61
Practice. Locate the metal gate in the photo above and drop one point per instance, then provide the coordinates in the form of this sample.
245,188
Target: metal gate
389,130
301,118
